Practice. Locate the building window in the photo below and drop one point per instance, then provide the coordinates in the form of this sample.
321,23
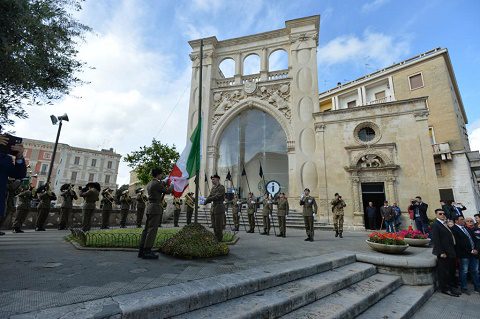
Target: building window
73,178
107,179
352,104
47,155
77,160
366,134
438,169
94,162
90,177
109,164
416,81
380,95
431,134
43,170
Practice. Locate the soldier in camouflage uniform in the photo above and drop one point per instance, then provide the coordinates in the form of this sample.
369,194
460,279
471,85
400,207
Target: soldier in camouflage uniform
45,196
282,212
107,206
236,210
24,199
309,209
69,195
190,203
140,201
251,210
177,207
125,202
337,209
266,211
90,195
217,197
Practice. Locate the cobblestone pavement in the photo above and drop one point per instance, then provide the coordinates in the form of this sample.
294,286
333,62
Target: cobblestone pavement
42,270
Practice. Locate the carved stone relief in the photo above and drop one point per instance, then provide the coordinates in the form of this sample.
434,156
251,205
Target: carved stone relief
370,161
277,95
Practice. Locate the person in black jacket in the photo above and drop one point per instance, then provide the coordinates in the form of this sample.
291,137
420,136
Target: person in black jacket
420,214
443,242
466,249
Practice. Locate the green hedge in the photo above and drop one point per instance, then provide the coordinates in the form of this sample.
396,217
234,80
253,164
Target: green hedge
194,241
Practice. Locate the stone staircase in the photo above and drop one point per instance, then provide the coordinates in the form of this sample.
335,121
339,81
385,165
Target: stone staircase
327,286
294,220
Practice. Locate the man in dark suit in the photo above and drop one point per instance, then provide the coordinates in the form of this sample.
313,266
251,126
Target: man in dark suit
466,249
444,248
420,214
457,209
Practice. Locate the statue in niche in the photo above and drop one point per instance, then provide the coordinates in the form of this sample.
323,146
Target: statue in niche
370,161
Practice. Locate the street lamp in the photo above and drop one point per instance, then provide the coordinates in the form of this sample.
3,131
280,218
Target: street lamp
56,120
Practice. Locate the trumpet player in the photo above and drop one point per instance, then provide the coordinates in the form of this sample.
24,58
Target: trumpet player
46,196
125,201
69,195
90,195
107,206
140,203
24,199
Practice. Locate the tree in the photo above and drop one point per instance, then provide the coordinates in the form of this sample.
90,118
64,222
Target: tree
148,157
38,55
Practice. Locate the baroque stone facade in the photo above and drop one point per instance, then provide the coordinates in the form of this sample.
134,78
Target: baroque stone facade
382,148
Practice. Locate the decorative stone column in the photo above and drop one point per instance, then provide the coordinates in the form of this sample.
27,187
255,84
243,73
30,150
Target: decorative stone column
264,65
238,68
356,202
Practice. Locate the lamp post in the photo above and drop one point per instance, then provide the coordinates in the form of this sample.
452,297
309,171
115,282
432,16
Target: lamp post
55,120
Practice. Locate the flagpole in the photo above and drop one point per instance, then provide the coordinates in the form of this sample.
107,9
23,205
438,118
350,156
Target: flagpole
200,85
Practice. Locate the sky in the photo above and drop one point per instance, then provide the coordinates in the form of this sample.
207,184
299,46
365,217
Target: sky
139,67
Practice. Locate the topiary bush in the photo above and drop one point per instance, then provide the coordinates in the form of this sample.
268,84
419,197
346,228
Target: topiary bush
193,241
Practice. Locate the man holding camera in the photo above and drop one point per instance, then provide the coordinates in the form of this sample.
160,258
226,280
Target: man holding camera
337,209
9,168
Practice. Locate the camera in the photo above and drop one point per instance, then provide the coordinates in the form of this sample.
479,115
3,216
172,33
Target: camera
12,140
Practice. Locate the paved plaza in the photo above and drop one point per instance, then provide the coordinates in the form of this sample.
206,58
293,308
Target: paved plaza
42,270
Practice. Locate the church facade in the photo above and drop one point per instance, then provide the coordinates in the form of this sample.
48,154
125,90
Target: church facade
391,135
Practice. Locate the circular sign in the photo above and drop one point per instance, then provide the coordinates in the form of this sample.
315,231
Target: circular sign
250,87
273,188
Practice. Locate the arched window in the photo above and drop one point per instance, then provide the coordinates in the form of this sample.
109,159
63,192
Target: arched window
251,138
251,64
227,68
278,60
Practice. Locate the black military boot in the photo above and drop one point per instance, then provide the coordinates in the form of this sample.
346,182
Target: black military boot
340,234
336,233
148,254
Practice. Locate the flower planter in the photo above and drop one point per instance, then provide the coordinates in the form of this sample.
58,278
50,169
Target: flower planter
388,249
417,242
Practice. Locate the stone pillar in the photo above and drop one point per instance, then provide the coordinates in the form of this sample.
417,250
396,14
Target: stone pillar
361,97
390,189
304,100
364,95
356,202
392,91
264,65
238,68
335,103
323,210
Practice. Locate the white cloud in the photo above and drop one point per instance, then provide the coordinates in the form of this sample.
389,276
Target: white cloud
377,48
373,5
132,90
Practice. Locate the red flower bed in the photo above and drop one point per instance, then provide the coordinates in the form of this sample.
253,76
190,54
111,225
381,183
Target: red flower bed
414,234
386,238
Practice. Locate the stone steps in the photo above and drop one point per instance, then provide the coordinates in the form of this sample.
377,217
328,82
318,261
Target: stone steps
279,300
401,303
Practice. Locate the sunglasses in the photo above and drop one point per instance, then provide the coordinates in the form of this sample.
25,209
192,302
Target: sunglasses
440,213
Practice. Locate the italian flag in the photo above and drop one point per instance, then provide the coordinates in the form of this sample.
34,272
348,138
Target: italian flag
187,165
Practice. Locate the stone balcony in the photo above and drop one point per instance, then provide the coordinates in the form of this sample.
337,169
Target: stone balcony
443,151
385,99
258,77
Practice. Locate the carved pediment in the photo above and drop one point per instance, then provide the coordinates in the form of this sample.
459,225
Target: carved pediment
370,161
